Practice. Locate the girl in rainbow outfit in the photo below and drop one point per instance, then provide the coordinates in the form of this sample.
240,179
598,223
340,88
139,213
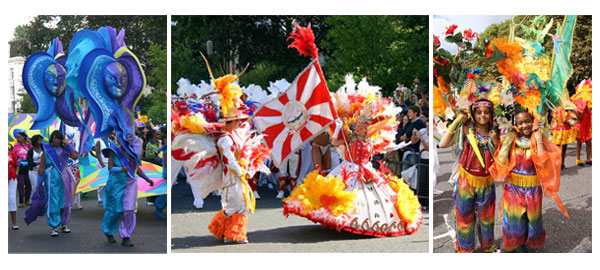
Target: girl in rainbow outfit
474,194
529,164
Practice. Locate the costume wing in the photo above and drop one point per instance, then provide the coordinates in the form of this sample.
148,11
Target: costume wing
200,160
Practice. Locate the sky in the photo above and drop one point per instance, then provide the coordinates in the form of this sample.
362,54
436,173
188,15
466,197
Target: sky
476,23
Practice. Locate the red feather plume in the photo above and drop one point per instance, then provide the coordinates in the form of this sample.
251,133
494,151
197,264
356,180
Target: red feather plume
304,41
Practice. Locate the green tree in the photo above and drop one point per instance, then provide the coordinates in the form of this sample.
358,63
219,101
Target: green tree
259,41
26,104
154,105
385,49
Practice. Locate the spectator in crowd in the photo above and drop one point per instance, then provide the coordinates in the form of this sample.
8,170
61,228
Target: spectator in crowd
33,159
152,145
23,183
414,125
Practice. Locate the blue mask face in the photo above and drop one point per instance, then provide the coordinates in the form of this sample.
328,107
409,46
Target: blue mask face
115,79
54,79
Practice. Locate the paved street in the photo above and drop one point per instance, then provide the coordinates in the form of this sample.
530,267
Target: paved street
86,235
563,235
269,231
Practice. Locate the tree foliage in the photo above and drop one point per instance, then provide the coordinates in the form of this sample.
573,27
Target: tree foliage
387,49
237,41
27,105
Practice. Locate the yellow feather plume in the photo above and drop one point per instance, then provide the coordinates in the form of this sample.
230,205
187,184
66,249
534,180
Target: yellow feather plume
407,203
323,192
229,93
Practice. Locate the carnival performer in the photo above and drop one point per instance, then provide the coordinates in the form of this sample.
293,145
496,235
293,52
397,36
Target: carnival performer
529,164
582,99
221,155
354,196
56,188
161,201
120,194
563,133
103,70
584,135
23,184
102,161
474,193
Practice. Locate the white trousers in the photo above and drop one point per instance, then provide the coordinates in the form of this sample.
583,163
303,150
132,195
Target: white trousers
12,195
233,197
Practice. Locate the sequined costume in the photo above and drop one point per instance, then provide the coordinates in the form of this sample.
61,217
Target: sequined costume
522,208
527,177
475,197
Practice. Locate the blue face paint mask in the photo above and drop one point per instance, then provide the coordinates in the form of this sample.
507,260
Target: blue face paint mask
115,79
54,79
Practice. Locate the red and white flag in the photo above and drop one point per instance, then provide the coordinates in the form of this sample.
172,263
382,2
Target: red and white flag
300,113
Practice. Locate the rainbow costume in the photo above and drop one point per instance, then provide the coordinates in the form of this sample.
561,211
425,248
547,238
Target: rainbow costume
527,175
475,196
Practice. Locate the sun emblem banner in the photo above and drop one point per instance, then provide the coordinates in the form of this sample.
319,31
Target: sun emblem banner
301,112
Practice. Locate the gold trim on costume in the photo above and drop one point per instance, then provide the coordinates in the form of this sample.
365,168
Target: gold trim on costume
476,181
524,180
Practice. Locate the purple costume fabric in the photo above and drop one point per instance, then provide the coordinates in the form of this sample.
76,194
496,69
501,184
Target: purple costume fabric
56,179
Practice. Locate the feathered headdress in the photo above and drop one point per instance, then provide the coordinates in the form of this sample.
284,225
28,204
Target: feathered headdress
363,104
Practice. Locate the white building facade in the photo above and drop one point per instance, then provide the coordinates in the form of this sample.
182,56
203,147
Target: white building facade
15,83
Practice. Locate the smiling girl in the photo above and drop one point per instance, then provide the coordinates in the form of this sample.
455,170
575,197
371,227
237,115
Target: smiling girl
474,193
529,165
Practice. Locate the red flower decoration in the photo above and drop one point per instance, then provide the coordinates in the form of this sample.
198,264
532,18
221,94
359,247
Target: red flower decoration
450,30
469,34
436,41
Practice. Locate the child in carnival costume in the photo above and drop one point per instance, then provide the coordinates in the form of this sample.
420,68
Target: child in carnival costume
354,196
221,155
106,73
528,162
474,192
474,138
